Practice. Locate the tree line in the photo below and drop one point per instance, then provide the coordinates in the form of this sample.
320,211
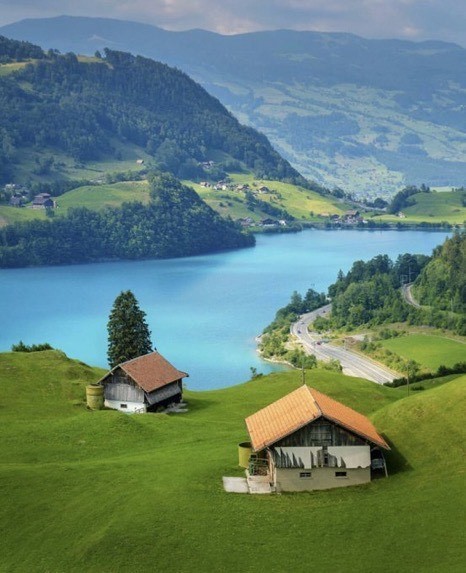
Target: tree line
369,294
18,51
443,283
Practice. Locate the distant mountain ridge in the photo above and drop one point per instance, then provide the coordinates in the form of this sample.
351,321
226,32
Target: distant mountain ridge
367,115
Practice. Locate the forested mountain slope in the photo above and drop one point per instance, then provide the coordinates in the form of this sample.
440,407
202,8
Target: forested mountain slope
442,283
88,108
367,115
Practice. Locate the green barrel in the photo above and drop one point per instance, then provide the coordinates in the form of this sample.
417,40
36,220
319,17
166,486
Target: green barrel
95,397
244,453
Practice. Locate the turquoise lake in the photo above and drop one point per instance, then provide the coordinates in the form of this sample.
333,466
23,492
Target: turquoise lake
204,312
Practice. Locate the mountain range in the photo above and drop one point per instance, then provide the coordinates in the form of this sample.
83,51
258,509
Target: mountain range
366,115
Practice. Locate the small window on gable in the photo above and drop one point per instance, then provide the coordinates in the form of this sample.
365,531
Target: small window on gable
123,405
341,474
305,474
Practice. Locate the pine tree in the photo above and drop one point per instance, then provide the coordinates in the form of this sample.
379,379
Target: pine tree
128,333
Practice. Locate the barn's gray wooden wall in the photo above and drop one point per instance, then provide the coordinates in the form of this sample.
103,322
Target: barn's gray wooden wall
124,393
321,433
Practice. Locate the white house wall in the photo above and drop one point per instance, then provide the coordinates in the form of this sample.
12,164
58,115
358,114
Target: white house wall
345,456
351,456
321,478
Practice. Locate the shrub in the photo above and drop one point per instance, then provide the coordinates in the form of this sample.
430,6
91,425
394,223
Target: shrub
21,347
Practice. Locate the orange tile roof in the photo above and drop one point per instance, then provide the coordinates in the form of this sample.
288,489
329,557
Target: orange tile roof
151,371
299,408
348,418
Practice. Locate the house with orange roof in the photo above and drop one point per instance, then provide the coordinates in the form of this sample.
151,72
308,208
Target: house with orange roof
143,384
309,441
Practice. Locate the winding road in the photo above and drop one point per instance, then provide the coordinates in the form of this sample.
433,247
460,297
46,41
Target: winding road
408,295
353,364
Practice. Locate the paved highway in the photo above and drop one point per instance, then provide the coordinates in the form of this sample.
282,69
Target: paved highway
353,364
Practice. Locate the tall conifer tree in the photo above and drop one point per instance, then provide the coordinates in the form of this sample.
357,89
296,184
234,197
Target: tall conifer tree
128,332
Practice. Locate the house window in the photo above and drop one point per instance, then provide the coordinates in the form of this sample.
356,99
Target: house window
123,405
305,474
341,474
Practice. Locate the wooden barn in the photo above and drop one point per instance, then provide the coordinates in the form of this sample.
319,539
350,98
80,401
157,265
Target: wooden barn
143,384
307,441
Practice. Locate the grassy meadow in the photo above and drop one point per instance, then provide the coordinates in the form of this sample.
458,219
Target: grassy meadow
66,168
96,197
434,207
428,350
9,215
302,203
108,492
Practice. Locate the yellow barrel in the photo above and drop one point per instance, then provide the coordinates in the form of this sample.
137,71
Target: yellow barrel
244,453
95,397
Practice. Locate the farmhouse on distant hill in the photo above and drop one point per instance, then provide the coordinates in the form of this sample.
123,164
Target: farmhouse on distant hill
43,201
307,441
143,384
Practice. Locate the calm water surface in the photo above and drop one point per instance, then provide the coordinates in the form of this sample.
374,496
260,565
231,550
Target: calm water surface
204,312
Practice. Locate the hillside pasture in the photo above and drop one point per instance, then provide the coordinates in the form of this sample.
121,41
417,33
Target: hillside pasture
428,350
96,197
7,69
106,492
433,207
301,203
66,168
10,215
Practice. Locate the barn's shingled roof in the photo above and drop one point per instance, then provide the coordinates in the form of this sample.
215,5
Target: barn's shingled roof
299,408
150,371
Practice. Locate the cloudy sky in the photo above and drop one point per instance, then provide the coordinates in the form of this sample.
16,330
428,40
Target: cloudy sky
410,19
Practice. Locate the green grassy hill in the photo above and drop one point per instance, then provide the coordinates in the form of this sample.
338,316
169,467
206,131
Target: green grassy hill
9,215
301,203
428,350
100,196
107,492
433,207
94,197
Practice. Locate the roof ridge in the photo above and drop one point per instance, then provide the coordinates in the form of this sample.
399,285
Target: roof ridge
349,426
314,398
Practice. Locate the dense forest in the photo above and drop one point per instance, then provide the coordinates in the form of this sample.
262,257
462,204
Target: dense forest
82,107
442,283
175,223
370,294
